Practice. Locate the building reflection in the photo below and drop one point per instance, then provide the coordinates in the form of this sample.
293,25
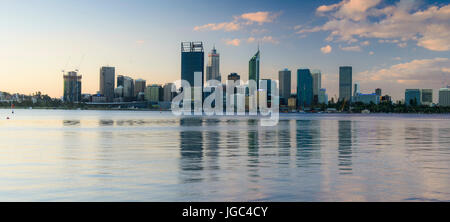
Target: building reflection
345,146
212,146
308,142
191,149
253,149
284,142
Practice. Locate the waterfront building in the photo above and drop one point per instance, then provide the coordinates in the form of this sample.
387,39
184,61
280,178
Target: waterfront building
367,98
253,68
386,99
107,78
323,96
128,88
139,86
118,92
345,83
444,96
426,97
72,87
213,66
152,93
378,91
412,97
168,95
317,84
304,88
284,78
292,103
120,79
192,61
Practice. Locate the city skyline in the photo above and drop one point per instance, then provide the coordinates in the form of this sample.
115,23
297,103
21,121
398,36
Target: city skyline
292,35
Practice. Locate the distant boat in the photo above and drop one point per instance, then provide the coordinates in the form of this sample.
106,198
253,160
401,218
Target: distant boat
365,111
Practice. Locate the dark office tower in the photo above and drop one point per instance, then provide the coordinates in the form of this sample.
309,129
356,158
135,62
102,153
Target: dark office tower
139,86
234,76
284,78
120,79
213,67
253,68
72,87
378,91
192,60
107,78
304,88
345,83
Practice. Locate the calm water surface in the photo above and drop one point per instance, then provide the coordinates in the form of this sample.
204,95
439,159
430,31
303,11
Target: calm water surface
54,155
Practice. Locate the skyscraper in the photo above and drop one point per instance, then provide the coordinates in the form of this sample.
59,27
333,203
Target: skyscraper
128,88
139,86
426,97
304,88
378,91
323,96
444,96
192,60
253,68
168,94
345,83
72,87
120,80
152,93
107,78
412,97
356,90
212,69
284,78
317,84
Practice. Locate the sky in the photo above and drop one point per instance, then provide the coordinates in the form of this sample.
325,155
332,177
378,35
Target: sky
392,45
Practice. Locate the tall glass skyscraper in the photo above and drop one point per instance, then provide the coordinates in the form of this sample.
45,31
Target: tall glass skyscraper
284,78
304,88
213,67
72,87
412,97
345,83
317,84
107,78
192,60
253,68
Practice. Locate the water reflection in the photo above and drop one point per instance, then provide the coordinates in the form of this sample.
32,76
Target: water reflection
212,148
71,122
308,142
191,149
345,146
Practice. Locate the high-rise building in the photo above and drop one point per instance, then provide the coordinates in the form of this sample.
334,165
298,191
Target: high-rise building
426,97
284,78
323,96
444,96
168,94
152,93
128,88
139,86
192,61
118,92
357,89
317,84
378,91
234,76
412,97
304,88
120,80
72,87
107,78
213,66
367,98
253,68
345,83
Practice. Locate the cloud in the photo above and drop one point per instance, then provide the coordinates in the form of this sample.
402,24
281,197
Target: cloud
424,70
355,20
260,17
265,39
240,21
355,48
233,42
326,49
140,42
371,53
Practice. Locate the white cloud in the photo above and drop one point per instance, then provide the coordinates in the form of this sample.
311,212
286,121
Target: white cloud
355,48
240,21
371,53
233,42
326,49
348,21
